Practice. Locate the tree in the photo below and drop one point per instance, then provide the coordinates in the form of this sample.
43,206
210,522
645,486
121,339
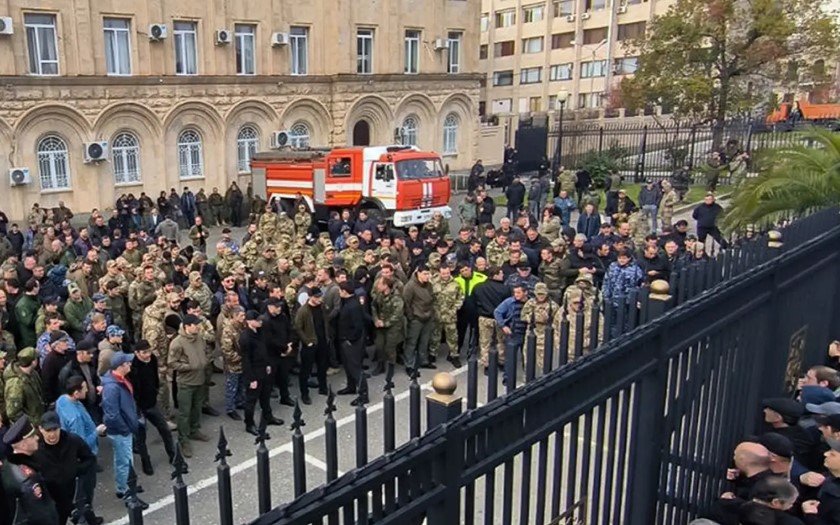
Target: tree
713,59
798,177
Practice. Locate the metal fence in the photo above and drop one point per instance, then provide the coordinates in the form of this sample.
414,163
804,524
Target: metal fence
649,417
657,150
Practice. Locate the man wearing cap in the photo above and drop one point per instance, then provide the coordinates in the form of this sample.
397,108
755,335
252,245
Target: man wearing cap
523,277
256,373
26,310
706,214
145,379
112,343
539,312
188,357
311,327
198,291
100,306
352,254
141,294
56,359
782,415
418,295
232,359
259,291
120,417
350,337
62,457
281,345
22,483
448,297
23,391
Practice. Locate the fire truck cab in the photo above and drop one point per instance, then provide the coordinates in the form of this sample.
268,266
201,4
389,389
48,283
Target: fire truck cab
398,183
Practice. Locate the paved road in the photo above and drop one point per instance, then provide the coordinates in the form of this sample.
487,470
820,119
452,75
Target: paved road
202,476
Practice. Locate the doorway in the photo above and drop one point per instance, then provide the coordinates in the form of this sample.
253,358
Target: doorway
361,133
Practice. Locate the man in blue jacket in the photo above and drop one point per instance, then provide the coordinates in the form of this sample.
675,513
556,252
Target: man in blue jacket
120,417
508,315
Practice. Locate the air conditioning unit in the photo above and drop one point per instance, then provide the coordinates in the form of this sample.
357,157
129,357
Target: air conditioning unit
96,151
19,176
280,139
223,37
570,18
585,16
157,32
622,9
6,27
441,43
279,39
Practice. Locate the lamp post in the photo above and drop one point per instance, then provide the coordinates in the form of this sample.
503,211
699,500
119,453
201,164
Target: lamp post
562,97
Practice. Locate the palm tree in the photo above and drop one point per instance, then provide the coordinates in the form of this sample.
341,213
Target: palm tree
798,177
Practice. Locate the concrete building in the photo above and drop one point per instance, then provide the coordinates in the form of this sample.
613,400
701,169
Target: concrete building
532,50
184,92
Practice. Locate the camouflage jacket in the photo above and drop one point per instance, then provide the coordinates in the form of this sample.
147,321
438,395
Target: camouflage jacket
390,309
23,394
202,295
141,294
543,312
448,299
229,343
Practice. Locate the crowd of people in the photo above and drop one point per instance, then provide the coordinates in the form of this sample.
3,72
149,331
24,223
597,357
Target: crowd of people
790,474
111,325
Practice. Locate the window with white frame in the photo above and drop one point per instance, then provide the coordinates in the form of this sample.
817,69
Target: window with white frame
52,163
533,13
532,45
503,78
299,46
186,53
505,18
412,51
299,136
190,156
485,22
450,134
117,45
561,72
453,64
364,51
564,8
597,68
247,141
410,127
590,100
530,75
125,158
41,42
626,65
245,35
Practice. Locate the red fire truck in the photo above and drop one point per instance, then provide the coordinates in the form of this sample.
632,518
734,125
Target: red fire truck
399,183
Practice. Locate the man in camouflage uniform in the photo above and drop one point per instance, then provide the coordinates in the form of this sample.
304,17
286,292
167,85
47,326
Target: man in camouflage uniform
303,220
154,331
253,248
267,262
352,254
585,285
141,294
116,304
551,273
670,198
448,300
207,332
232,357
388,318
217,204
199,292
497,251
269,224
23,392
325,259
566,181
285,224
640,227
540,310
224,265
114,273
577,304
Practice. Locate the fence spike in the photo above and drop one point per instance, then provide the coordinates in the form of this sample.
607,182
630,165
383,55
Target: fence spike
362,389
222,450
297,419
389,378
179,465
330,408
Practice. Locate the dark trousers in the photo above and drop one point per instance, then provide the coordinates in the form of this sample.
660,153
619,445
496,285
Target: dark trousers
235,214
465,322
702,233
309,356
280,370
262,394
352,354
155,417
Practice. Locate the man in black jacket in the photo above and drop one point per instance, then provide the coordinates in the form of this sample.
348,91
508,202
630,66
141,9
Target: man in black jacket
61,458
487,296
278,336
145,379
82,365
256,373
350,334
56,359
706,215
515,194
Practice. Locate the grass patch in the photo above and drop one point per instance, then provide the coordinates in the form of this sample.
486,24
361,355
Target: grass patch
695,194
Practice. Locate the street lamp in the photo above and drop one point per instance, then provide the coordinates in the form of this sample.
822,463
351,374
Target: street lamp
562,97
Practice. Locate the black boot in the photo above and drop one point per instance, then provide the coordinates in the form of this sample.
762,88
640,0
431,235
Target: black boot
146,464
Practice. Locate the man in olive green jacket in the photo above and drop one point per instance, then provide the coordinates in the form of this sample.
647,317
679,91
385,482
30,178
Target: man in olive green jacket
188,357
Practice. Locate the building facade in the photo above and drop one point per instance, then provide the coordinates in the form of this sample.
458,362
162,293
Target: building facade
530,51
184,92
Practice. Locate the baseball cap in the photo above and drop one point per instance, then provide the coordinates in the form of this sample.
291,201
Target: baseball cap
777,444
541,289
816,395
831,420
50,421
824,409
252,315
120,358
315,292
20,430
114,331
190,319
786,407
58,335
274,301
98,298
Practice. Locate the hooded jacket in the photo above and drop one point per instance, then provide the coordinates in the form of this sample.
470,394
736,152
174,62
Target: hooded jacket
120,411
188,356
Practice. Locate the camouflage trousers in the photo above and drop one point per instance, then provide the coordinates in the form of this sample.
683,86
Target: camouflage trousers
450,331
137,321
166,378
666,214
490,334
386,342
539,354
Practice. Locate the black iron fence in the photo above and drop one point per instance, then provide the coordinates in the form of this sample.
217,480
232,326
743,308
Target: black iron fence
657,150
650,417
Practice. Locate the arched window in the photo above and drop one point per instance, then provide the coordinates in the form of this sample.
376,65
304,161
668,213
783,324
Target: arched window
125,155
299,136
52,163
190,161
450,134
246,146
409,131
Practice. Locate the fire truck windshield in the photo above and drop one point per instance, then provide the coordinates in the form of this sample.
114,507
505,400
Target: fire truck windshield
415,169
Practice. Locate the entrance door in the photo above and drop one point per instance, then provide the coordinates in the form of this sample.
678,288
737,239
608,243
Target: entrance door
361,133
